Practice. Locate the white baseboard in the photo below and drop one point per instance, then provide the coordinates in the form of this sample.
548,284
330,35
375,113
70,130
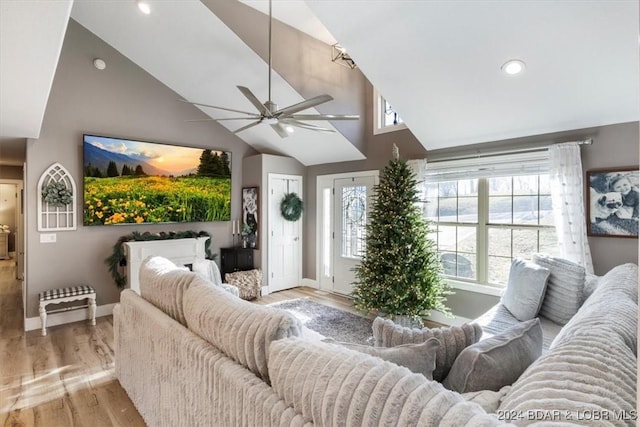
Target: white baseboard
436,316
310,283
54,319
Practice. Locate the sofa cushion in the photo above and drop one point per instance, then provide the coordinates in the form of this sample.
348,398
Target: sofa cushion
564,288
582,377
525,289
330,385
612,310
591,366
418,358
242,330
497,361
453,340
498,319
591,283
163,284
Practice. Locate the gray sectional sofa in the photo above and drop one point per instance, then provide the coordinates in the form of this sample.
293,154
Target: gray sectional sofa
190,354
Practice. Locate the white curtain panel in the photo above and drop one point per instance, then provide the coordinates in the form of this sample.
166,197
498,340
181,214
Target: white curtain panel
565,171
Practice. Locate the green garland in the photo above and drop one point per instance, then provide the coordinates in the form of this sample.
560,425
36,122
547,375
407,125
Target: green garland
118,258
57,194
291,207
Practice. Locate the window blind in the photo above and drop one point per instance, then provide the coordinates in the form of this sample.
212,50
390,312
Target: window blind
529,163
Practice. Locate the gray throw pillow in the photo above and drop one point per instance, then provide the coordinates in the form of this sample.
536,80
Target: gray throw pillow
525,289
565,286
453,339
418,358
497,361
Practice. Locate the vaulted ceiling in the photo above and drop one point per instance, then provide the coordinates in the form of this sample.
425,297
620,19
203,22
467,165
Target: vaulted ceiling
437,62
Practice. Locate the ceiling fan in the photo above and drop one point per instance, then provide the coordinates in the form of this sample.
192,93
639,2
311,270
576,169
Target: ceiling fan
284,119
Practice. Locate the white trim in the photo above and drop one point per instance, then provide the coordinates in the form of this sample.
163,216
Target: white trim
310,283
387,129
54,319
327,181
438,317
377,126
475,287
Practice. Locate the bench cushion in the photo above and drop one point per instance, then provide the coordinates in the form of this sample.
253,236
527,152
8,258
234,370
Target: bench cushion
66,292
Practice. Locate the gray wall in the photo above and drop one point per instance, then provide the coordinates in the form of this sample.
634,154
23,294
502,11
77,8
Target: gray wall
121,101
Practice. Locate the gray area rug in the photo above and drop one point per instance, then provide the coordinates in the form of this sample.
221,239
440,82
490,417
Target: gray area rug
328,321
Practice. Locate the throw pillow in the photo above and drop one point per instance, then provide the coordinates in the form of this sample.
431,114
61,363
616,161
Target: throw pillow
525,289
453,340
591,283
497,361
563,297
418,358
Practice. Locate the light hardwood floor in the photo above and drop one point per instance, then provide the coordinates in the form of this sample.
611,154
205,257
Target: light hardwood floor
67,378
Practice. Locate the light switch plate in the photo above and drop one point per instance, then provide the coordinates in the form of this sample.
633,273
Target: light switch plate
48,238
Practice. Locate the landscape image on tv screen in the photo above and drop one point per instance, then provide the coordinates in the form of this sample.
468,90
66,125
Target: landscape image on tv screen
135,182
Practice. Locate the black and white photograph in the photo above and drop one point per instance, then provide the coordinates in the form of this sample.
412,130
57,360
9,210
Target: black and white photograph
249,230
612,202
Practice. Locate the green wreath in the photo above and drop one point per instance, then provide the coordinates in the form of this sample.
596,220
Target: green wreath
291,207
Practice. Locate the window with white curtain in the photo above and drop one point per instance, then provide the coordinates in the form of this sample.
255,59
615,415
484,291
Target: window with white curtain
485,212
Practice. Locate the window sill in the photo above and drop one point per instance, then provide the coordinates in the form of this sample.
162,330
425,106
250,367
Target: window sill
387,129
475,287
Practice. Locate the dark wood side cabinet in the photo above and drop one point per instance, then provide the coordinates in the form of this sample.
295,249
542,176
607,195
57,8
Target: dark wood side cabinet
235,259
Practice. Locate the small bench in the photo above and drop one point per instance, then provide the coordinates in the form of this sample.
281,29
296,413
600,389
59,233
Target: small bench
73,293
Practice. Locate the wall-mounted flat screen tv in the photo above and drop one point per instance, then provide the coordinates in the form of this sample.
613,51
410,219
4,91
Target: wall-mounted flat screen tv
136,182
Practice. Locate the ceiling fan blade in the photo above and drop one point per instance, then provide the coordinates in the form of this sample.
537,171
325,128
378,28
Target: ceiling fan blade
255,101
213,106
311,102
296,123
250,125
256,117
280,130
323,117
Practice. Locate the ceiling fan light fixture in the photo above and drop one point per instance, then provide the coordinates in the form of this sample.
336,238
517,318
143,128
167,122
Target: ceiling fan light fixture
144,7
271,120
513,67
289,128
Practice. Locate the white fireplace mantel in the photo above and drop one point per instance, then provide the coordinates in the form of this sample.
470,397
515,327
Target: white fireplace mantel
180,251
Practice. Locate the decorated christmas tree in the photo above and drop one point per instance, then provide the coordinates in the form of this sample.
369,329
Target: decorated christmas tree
400,273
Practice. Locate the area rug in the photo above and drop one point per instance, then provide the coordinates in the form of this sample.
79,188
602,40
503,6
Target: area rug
328,321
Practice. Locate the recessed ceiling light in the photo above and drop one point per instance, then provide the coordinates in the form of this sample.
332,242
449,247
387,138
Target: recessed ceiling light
144,7
99,64
513,67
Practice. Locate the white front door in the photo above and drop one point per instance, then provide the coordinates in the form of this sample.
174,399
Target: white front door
285,237
352,206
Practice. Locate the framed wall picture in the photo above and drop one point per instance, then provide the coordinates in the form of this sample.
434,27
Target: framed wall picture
250,216
612,202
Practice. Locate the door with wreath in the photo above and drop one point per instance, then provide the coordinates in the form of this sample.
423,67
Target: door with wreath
285,232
